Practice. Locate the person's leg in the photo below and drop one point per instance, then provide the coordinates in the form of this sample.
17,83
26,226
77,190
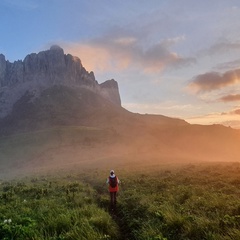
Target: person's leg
112,198
115,198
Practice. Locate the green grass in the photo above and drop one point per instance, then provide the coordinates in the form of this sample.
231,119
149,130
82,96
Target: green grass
190,202
58,208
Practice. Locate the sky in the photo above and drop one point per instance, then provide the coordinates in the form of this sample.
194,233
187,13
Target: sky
178,58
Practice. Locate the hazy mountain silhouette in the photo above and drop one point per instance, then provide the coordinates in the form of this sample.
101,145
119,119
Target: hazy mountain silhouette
52,111
53,89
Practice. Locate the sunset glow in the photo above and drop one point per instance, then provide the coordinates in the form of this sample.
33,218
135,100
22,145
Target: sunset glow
179,59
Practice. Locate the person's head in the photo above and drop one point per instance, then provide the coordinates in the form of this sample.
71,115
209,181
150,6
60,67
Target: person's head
112,172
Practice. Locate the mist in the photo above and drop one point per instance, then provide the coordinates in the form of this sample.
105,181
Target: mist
141,143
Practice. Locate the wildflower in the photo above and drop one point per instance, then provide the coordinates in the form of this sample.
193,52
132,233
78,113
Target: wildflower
7,220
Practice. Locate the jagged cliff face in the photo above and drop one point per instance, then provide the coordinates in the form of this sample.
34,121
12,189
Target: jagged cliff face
38,72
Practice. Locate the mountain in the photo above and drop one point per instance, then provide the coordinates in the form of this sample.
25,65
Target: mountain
54,113
50,89
38,72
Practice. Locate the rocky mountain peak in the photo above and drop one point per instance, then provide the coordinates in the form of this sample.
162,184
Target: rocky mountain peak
56,48
39,71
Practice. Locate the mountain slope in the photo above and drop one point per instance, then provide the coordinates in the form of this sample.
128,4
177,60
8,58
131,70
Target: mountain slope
53,113
58,105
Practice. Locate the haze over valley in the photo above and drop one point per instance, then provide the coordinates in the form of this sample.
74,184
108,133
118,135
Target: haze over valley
55,115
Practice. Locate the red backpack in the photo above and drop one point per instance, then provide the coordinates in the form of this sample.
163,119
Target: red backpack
113,182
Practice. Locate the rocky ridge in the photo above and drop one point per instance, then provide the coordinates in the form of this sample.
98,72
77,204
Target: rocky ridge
39,71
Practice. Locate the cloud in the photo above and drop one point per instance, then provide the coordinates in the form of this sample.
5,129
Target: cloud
228,65
158,57
93,58
223,47
22,5
214,80
157,107
231,118
236,112
121,51
230,98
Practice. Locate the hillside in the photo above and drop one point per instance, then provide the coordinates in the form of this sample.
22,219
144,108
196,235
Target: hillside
128,146
54,114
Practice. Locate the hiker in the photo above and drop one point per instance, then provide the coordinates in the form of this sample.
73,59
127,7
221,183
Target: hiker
113,182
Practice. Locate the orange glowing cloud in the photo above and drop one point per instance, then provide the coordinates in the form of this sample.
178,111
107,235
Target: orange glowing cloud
93,58
97,58
230,98
236,111
213,80
227,119
119,53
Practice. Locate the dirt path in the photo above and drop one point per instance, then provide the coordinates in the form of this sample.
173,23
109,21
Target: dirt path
115,213
116,216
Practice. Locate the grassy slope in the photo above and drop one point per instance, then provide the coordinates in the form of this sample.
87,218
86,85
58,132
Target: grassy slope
177,202
59,146
127,144
166,202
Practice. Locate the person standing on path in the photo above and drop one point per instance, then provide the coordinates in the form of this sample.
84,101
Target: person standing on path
113,183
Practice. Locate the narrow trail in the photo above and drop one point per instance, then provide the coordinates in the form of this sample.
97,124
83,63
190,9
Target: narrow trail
115,213
103,202
116,216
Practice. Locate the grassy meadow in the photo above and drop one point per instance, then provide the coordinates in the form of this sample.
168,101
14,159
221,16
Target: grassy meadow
53,187
50,148
168,202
